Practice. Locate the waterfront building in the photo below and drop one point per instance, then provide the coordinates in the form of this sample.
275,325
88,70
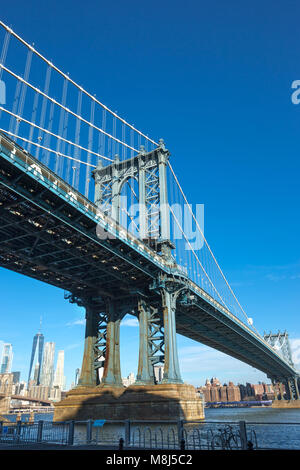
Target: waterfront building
233,392
39,392
258,391
215,382
223,393
206,393
6,359
213,391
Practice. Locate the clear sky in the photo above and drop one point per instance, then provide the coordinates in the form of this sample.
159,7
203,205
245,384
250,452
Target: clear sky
214,80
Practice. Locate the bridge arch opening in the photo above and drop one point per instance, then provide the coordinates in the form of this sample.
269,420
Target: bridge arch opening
129,205
129,347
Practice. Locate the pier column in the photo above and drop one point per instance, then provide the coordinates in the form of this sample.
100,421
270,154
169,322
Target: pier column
281,389
275,388
171,366
293,388
145,369
289,389
88,375
297,388
112,369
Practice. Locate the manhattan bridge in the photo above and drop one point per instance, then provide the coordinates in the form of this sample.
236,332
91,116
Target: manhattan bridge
92,205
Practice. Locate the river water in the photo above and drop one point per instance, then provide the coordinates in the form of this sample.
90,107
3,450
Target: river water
261,414
269,427
266,427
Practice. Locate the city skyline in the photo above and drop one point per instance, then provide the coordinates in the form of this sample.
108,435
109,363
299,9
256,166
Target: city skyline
227,113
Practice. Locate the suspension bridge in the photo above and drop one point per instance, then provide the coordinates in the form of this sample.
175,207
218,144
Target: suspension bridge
92,205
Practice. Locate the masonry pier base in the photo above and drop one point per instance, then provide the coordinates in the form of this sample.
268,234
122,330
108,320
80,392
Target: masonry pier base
137,402
285,404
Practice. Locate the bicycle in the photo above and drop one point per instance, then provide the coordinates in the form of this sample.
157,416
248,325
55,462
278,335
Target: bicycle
225,440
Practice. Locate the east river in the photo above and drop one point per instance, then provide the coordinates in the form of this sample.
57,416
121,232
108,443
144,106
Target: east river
269,427
253,415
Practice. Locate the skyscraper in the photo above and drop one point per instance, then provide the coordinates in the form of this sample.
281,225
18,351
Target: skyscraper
6,359
36,358
47,371
77,375
59,378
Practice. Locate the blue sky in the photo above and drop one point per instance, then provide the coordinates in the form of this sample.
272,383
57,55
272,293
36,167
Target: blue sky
214,80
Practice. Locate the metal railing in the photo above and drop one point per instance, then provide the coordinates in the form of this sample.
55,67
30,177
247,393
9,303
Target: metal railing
184,435
165,435
40,432
189,435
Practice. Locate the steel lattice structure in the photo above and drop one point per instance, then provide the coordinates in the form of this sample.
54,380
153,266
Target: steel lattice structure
51,152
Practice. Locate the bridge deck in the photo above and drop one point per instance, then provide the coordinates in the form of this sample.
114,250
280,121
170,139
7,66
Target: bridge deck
48,232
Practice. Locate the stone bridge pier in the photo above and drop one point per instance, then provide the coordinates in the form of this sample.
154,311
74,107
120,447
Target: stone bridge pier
4,404
103,395
286,391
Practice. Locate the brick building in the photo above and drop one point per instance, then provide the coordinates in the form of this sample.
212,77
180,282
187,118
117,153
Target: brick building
213,391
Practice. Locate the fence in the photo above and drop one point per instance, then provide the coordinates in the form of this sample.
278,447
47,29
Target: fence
189,435
184,435
41,432
166,435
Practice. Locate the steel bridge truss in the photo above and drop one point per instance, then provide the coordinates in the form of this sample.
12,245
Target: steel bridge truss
48,231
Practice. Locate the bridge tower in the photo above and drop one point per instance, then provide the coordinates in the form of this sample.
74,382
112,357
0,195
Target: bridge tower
288,386
154,306
150,202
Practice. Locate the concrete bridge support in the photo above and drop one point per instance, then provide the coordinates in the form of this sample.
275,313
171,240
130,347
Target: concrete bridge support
145,374
157,336
4,404
112,368
171,368
286,392
109,399
88,375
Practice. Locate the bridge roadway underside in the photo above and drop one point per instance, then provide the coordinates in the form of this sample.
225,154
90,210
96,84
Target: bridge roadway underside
46,237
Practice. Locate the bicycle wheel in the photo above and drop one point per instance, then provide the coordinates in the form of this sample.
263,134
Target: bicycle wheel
217,443
232,443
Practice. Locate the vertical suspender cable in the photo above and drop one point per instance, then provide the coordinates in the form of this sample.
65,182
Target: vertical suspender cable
3,59
61,128
75,178
90,147
44,108
23,89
